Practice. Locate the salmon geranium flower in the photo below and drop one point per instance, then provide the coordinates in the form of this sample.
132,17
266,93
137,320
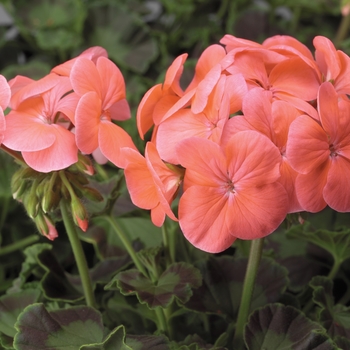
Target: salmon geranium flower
102,90
320,152
5,94
151,183
38,123
232,192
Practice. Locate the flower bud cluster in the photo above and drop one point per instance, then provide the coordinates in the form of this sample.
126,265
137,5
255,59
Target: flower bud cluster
41,194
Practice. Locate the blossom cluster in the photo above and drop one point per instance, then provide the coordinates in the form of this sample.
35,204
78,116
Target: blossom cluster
262,130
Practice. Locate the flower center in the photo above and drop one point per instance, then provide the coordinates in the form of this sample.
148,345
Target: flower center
106,115
332,151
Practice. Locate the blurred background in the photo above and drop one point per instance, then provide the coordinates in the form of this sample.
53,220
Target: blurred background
143,36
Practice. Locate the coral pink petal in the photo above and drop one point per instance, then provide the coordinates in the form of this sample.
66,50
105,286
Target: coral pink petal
204,89
139,180
144,115
85,77
283,114
33,89
182,125
53,96
5,92
160,171
257,211
287,43
309,188
295,77
298,103
2,125
287,180
25,133
202,168
172,76
91,53
253,159
342,82
111,139
205,219
307,145
112,82
231,42
236,87
87,122
158,215
257,110
337,190
120,110
67,105
211,56
326,57
60,155
328,110
165,103
184,101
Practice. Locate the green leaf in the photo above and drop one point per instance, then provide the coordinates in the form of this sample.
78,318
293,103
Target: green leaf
279,327
337,243
176,281
335,318
12,305
145,342
223,281
41,262
115,340
66,329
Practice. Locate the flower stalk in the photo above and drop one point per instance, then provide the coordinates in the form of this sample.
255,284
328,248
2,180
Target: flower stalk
247,292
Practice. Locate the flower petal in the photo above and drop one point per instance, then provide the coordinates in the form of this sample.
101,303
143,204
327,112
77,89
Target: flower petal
87,122
337,190
5,92
252,159
27,133
307,145
84,77
111,138
309,188
60,155
112,82
205,219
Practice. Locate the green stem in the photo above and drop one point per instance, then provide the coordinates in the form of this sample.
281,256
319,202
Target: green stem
342,31
127,244
162,323
335,269
247,292
13,154
19,245
78,254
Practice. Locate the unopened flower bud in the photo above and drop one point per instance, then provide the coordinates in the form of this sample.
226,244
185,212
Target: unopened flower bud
84,164
92,194
79,214
46,226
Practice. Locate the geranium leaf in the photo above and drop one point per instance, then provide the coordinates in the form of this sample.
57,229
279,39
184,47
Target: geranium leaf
223,281
66,329
292,254
11,305
335,318
279,327
115,340
145,342
176,281
337,243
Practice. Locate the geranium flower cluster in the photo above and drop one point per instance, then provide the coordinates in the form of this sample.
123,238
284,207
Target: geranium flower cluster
262,130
